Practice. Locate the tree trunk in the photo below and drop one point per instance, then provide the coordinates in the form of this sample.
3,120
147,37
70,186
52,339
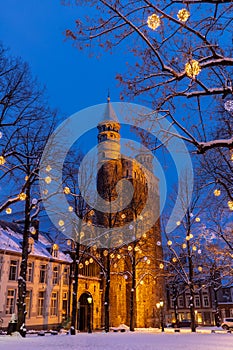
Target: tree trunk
132,295
107,296
22,288
75,289
191,288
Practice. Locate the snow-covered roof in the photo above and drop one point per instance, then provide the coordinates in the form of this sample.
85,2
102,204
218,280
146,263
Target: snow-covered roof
11,237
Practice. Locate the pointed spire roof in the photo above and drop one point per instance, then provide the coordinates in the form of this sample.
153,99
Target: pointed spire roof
109,113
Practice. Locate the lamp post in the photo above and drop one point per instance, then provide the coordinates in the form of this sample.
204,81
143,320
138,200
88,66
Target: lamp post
160,307
89,302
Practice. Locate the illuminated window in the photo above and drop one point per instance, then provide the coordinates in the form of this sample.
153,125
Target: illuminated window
43,273
30,270
13,270
10,301
41,298
54,304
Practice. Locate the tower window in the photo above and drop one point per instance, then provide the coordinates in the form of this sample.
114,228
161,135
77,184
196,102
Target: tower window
103,154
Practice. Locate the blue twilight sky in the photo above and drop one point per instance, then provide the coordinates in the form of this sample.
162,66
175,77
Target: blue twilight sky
34,30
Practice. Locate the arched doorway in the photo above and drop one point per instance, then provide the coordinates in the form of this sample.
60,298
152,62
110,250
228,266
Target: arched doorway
85,312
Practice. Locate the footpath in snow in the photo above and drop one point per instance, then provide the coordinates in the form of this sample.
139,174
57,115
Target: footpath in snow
120,341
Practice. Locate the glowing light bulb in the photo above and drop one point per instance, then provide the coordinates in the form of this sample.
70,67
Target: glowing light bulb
183,15
66,190
169,243
48,179
197,219
2,160
80,265
217,192
192,69
61,223
8,210
153,21
70,208
22,196
230,205
200,269
161,266
184,246
105,253
48,168
129,248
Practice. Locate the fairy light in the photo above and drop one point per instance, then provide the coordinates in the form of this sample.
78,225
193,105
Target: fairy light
61,223
86,262
169,243
187,238
91,260
68,242
200,269
22,196
194,248
191,235
192,69
161,266
199,251
184,246
82,234
148,261
112,256
217,192
158,243
105,253
183,15
8,211
129,248
80,265
144,235
118,256
230,205
178,223
123,216
66,190
32,230
141,282
115,265
2,160
70,208
45,192
153,21
136,249
197,219
48,168
48,179
174,260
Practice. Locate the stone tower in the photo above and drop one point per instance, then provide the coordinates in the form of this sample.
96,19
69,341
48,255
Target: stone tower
135,255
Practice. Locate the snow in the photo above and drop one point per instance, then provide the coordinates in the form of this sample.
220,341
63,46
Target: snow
122,341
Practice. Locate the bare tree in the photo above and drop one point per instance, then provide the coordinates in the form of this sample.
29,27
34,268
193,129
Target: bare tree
181,58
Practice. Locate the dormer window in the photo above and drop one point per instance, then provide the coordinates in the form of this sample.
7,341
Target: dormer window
55,249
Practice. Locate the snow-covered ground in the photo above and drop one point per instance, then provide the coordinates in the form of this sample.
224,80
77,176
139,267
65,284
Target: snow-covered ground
120,341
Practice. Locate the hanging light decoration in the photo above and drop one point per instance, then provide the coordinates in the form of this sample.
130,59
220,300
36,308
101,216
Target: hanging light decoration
197,219
153,21
161,266
148,261
91,260
8,210
231,155
22,196
169,243
217,192
184,246
194,248
192,69
178,223
70,208
80,265
118,256
66,190
123,216
200,269
2,160
86,262
129,248
230,205
61,223
48,179
48,168
183,15
174,260
105,253
112,256
32,230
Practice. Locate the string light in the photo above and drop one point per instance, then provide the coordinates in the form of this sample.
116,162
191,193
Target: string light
123,216
48,179
70,208
82,234
161,266
8,210
22,196
129,248
184,246
105,253
183,15
80,265
197,219
32,230
66,190
230,205
169,243
144,235
45,192
228,105
200,269
148,261
48,168
178,223
112,256
192,69
153,21
194,248
68,242
2,160
61,223
217,192
141,282
118,256
91,260
86,262
174,260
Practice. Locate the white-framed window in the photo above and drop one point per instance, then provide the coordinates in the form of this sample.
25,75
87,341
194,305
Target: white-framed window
206,300
10,301
55,275
43,273
13,274
30,270
171,301
28,302
187,300
41,298
197,301
180,301
54,304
